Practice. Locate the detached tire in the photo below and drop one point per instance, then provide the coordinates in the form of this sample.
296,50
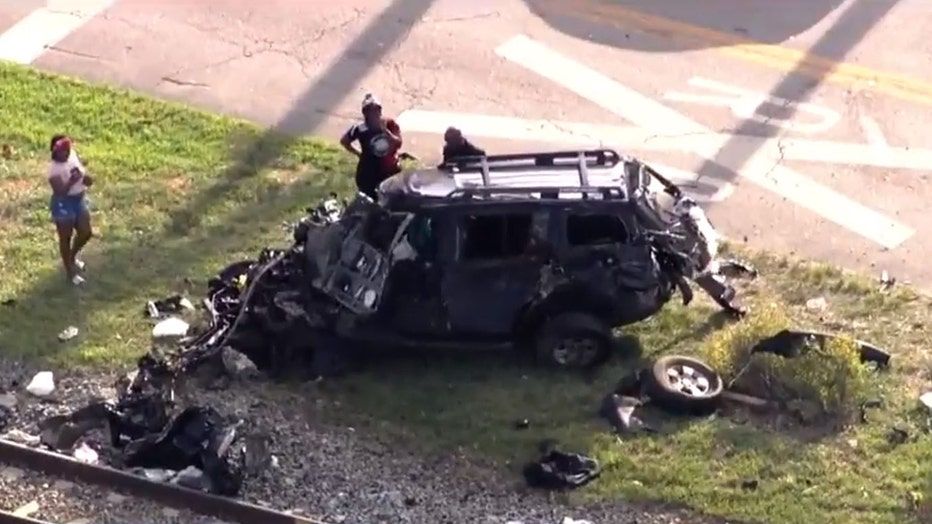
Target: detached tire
573,341
683,385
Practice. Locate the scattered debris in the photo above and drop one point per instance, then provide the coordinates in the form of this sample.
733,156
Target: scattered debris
172,304
8,302
570,520
26,509
522,424
619,411
238,365
559,470
869,404
42,384
926,400
791,344
21,437
817,304
68,333
8,401
755,403
750,484
85,454
170,328
897,436
886,281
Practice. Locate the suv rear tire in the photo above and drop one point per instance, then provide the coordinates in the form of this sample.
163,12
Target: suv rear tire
573,341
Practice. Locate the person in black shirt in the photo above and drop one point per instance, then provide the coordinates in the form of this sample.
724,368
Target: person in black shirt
456,146
379,141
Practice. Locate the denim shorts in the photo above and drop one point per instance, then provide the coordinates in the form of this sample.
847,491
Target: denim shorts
68,208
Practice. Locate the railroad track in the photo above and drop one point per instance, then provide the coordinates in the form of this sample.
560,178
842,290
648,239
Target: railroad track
121,484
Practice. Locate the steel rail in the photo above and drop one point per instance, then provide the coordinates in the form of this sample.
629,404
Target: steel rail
171,495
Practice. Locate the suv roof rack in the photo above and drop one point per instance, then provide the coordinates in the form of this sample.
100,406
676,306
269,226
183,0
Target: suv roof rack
549,173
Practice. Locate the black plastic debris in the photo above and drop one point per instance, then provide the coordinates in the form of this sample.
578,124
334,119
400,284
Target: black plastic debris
791,344
8,302
619,410
734,268
559,470
62,432
197,437
172,304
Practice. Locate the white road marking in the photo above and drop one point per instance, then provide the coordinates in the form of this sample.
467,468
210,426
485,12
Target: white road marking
43,28
873,132
750,163
747,104
630,137
621,100
507,127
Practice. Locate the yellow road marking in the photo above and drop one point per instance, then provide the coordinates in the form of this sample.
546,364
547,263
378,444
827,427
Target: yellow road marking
773,56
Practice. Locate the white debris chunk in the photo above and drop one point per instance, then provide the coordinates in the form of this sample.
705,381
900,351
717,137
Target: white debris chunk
172,327
42,384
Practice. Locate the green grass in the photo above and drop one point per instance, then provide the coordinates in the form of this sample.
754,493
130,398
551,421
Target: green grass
179,193
806,473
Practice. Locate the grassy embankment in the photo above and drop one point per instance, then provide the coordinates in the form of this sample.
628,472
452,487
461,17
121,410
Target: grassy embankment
180,192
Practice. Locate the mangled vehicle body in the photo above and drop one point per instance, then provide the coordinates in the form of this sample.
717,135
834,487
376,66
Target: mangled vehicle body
545,252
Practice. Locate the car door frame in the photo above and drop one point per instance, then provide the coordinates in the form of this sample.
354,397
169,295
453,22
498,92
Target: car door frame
470,307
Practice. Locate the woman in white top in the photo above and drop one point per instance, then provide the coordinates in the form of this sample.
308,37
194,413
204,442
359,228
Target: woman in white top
68,205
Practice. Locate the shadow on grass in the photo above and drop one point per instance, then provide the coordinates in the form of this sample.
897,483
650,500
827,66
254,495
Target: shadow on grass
461,398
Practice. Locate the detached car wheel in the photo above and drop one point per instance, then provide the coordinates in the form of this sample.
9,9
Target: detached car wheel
573,340
683,385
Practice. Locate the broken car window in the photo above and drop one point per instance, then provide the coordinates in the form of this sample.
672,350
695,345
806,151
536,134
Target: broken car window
495,236
380,230
595,229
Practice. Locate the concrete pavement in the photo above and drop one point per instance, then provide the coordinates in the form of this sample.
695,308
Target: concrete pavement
843,178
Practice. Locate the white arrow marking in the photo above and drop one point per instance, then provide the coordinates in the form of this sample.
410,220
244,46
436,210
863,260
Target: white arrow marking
614,97
749,162
746,104
875,137
873,132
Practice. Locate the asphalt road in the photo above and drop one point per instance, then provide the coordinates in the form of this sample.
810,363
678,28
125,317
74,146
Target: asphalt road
806,118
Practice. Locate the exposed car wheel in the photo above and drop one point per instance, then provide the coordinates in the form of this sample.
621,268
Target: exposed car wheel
683,384
573,340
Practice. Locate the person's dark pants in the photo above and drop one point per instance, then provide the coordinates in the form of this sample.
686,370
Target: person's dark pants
368,178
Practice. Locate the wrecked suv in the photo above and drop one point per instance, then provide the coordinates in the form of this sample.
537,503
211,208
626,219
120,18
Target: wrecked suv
544,251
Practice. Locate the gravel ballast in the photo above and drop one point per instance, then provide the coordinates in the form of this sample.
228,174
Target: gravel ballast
324,470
